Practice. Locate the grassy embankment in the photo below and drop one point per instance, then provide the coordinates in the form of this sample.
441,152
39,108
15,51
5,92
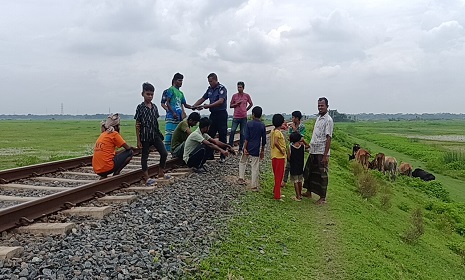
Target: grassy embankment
406,229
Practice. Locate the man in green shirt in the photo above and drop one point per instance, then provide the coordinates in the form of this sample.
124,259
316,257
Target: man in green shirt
199,146
181,133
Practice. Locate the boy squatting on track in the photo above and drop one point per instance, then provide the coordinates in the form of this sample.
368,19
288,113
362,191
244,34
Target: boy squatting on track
105,160
199,147
148,132
180,134
254,147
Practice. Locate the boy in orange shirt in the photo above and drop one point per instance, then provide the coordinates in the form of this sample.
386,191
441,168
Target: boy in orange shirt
105,160
278,154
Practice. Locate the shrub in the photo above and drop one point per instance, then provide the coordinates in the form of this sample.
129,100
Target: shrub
385,201
357,168
451,157
431,188
449,216
417,228
367,185
404,207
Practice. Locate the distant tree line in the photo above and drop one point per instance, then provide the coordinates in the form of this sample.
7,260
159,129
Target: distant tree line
337,117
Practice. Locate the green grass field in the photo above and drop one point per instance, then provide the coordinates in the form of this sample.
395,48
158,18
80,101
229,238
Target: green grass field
29,142
354,236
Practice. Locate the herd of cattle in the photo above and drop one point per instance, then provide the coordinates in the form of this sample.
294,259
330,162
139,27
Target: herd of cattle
387,164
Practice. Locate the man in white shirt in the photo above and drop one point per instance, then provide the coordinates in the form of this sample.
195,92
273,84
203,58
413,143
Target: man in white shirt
316,168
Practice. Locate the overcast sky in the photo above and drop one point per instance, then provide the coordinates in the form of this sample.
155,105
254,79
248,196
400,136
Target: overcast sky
364,56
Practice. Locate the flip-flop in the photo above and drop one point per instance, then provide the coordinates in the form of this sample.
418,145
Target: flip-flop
151,182
167,176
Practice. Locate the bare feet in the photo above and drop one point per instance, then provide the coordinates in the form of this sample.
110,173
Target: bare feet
321,201
241,181
307,194
297,199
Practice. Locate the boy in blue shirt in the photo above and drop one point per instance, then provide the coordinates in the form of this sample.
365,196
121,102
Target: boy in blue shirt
254,147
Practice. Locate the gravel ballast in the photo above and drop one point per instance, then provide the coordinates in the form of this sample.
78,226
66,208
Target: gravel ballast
162,235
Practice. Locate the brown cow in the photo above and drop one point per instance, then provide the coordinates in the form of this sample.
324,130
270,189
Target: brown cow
390,166
405,169
363,157
378,162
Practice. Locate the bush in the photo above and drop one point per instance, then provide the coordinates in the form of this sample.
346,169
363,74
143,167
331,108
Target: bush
417,228
449,216
367,185
385,201
357,168
431,188
452,157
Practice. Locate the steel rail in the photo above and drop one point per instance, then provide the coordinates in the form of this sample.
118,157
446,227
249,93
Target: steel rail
29,211
9,175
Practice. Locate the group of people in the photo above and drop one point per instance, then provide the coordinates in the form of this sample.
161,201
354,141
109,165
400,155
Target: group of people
290,158
195,147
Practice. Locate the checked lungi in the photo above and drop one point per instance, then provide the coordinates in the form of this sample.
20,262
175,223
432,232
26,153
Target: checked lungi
316,175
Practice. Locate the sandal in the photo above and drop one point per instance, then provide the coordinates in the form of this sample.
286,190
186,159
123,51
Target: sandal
150,182
167,176
296,199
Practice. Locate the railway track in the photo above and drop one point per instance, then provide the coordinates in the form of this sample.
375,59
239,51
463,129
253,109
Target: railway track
65,184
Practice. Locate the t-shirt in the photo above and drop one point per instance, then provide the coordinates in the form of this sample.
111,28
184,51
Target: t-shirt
179,134
300,129
255,134
193,140
240,111
296,161
275,153
104,151
176,100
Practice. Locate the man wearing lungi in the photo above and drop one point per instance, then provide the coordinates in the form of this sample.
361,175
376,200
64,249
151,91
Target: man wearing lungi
316,167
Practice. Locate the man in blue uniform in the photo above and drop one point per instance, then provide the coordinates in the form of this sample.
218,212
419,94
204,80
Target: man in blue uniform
217,95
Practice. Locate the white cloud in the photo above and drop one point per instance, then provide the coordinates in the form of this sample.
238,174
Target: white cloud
448,35
379,56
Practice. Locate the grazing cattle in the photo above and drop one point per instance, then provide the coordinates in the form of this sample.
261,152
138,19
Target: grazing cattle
422,174
390,166
405,169
355,148
378,162
363,157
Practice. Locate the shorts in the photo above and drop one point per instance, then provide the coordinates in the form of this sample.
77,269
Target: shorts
297,178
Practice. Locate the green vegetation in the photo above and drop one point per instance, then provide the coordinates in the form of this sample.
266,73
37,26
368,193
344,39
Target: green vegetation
30,142
407,229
